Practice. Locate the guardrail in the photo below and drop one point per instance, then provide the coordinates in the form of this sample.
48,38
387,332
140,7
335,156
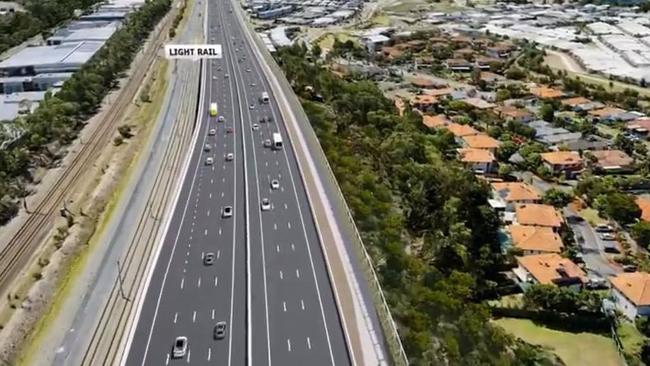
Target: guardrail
391,334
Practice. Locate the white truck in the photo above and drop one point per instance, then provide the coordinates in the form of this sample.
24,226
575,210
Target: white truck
277,141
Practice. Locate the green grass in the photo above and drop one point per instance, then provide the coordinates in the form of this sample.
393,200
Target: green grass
631,338
591,215
574,349
509,301
616,86
381,20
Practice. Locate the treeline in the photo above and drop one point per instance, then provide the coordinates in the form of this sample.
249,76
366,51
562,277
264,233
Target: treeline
40,17
423,218
58,119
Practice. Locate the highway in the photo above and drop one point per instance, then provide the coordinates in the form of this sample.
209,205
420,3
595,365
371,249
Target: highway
269,280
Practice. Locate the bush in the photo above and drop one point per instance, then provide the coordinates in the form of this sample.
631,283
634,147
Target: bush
118,140
641,233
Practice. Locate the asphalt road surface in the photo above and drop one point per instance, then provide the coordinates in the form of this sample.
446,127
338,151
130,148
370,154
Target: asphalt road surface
268,280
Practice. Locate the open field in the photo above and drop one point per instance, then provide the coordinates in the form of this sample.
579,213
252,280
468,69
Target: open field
575,349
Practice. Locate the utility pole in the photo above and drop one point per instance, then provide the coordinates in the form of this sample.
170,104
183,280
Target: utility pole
119,278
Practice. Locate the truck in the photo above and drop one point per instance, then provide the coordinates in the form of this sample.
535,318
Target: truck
277,141
213,109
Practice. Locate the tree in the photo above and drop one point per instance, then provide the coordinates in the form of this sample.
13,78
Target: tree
623,143
557,198
641,233
620,207
516,73
561,299
506,149
547,112
316,51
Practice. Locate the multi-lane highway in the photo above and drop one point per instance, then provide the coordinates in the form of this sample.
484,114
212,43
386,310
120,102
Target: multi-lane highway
269,280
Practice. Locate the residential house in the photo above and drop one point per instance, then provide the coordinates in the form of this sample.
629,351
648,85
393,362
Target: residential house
461,131
424,83
611,114
581,104
506,195
459,64
424,102
478,103
644,205
485,63
537,214
639,126
512,113
631,293
549,269
501,50
437,121
589,142
441,93
491,79
478,160
547,134
544,92
610,161
391,53
481,141
374,42
534,240
465,53
568,163
460,41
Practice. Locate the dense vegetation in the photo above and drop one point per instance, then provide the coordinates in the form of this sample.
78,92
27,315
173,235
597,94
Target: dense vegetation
423,218
39,18
59,118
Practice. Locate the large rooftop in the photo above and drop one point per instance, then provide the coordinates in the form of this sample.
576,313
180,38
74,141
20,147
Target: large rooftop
64,56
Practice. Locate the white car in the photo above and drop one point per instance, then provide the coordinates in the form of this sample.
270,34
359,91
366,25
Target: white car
221,119
209,161
252,106
267,143
207,147
608,236
214,77
226,212
226,76
248,70
230,156
180,347
256,127
275,184
253,84
266,204
212,132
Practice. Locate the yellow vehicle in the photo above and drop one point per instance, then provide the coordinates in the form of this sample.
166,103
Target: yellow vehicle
213,109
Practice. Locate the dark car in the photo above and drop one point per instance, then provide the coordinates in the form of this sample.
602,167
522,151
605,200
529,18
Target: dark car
220,330
208,259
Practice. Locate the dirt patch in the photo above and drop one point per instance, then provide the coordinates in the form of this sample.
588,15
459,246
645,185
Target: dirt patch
57,261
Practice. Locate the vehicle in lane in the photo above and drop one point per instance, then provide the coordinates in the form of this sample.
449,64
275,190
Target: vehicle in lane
229,130
229,157
212,132
207,147
209,161
213,109
208,259
266,204
220,330
226,212
252,106
221,119
180,347
275,184
256,127
265,97
267,143
277,141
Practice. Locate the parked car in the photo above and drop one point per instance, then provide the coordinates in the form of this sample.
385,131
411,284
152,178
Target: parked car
607,236
596,283
603,228
611,247
629,268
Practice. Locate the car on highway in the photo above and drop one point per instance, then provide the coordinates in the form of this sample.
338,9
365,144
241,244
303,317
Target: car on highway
229,129
209,161
208,259
607,236
207,147
266,204
230,156
226,211
212,132
252,106
248,70
253,84
267,143
214,77
226,76
220,330
221,119
180,347
256,127
275,184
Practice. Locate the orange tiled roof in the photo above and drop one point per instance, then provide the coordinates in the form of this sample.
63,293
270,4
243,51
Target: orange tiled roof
635,286
607,111
424,99
547,268
644,205
575,101
435,121
481,141
475,156
438,92
461,130
517,191
562,157
639,123
537,238
478,103
611,158
513,112
538,215
545,92
423,82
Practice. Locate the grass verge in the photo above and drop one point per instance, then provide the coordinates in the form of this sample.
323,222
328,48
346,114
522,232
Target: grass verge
575,349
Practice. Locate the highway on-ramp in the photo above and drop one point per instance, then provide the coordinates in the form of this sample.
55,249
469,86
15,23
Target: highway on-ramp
269,280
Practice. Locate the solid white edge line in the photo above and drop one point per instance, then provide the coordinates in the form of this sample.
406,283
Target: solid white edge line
172,208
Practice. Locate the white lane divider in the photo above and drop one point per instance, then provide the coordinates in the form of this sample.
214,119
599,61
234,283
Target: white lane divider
194,316
175,317
308,343
281,275
297,273
183,280
284,306
302,304
289,344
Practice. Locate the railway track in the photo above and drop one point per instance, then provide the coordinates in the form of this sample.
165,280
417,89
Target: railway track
15,256
111,326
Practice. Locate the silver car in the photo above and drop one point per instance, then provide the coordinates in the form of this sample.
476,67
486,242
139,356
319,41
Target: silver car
180,347
266,204
275,184
230,156
209,161
226,211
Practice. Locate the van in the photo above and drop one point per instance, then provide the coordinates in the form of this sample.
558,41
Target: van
277,141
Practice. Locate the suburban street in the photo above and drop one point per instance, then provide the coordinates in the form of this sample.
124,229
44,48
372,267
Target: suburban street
269,281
